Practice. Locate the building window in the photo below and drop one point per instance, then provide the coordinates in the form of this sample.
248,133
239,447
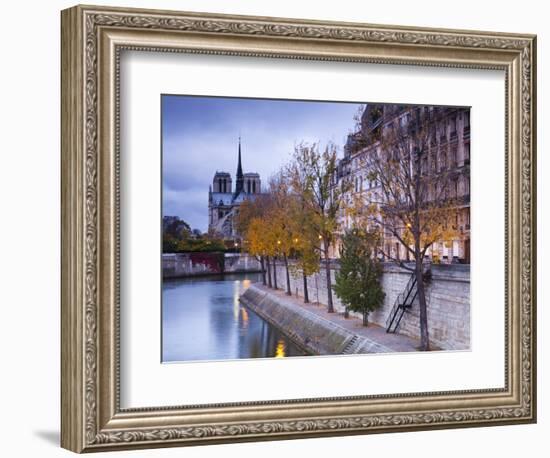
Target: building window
442,159
442,134
453,128
466,132
453,156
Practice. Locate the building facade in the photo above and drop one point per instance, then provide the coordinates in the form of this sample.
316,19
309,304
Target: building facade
223,202
448,152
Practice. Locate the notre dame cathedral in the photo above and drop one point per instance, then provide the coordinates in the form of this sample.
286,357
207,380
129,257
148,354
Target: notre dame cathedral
223,202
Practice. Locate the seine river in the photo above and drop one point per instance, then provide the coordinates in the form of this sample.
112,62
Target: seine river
202,319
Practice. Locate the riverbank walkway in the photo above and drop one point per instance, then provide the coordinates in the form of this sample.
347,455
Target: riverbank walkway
373,332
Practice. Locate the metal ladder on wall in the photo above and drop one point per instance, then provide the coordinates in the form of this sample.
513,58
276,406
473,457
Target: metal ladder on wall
402,302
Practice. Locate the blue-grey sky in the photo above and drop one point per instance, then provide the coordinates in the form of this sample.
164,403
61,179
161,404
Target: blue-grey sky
200,136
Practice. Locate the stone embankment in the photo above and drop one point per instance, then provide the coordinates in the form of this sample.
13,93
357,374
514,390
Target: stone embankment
447,295
316,334
178,265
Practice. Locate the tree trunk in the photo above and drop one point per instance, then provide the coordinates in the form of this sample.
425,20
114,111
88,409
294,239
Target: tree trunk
424,335
287,276
330,308
262,264
419,271
365,319
306,295
346,312
275,273
268,272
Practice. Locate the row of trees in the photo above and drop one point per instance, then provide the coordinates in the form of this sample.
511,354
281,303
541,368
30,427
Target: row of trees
300,216
296,218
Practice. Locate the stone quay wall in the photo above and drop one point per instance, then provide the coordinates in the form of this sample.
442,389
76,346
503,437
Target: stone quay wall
314,334
177,265
447,295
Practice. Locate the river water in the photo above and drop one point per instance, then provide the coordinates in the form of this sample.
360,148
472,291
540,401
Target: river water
202,319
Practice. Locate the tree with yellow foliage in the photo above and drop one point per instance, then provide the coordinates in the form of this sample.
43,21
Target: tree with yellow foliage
259,244
305,241
306,257
280,216
312,173
250,223
413,200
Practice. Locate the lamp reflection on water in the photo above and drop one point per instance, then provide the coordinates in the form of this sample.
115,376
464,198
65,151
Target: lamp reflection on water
236,304
237,290
280,350
244,315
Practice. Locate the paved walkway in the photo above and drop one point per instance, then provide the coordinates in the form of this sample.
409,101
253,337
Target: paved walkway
374,332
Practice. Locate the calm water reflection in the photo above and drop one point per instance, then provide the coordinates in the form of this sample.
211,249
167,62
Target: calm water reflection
202,319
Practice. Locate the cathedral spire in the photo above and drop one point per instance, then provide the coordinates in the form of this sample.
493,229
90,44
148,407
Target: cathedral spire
240,179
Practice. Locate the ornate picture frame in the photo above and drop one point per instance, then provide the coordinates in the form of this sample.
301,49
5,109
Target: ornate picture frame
92,41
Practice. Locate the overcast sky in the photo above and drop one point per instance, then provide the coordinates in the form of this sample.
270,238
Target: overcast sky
200,136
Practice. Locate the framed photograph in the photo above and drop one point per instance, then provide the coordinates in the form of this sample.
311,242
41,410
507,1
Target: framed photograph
278,228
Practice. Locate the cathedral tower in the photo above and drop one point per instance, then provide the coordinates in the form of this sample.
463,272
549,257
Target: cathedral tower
223,204
239,185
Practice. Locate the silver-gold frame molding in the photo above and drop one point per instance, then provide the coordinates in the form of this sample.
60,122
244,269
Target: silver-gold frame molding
92,40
